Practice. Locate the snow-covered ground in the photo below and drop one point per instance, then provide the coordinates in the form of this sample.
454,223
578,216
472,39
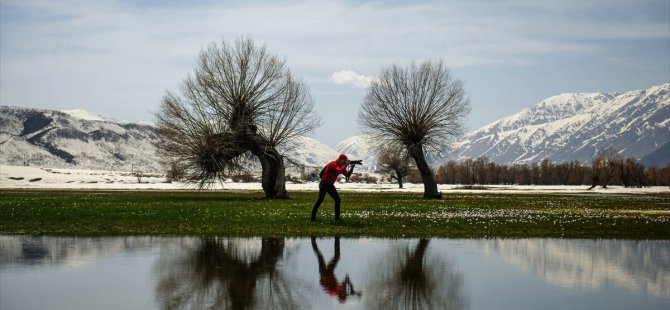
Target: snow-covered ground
19,177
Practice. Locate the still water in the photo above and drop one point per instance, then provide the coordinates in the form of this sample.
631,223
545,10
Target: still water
331,273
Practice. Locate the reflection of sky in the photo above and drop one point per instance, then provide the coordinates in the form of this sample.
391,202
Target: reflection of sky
116,280
486,274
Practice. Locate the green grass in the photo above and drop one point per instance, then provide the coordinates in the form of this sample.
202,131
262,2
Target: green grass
477,214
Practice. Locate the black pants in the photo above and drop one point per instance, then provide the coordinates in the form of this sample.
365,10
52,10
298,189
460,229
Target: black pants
330,189
330,268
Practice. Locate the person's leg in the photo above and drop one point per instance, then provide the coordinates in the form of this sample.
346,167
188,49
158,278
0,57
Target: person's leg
336,256
322,262
337,248
322,195
332,191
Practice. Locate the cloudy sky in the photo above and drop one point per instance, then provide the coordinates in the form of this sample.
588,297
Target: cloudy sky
117,58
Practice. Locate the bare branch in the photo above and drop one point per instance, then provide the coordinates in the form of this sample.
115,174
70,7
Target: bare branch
240,99
420,108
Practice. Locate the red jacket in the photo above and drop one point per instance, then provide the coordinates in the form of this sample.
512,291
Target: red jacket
331,172
333,288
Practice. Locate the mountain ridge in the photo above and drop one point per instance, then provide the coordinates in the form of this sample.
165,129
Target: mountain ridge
565,127
574,126
42,137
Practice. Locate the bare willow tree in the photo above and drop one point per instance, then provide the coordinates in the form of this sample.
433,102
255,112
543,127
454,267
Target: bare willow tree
420,108
241,100
396,162
410,278
604,166
221,272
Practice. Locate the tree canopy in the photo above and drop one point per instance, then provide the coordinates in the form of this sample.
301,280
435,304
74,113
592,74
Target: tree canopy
418,107
239,100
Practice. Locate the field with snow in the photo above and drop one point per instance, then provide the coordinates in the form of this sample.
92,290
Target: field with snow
20,177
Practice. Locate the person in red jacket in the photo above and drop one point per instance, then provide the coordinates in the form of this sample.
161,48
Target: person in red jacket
329,283
327,184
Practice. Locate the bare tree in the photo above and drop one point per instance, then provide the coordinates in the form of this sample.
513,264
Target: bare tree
240,100
604,165
217,271
410,278
420,108
631,173
396,162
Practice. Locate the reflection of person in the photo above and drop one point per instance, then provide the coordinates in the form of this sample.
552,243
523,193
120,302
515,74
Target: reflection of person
341,290
327,184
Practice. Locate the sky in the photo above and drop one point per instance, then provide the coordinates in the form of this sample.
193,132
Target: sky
117,58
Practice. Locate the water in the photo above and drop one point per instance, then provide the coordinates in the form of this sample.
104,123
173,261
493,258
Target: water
331,273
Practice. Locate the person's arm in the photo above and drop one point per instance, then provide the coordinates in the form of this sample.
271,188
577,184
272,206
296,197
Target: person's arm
341,169
351,170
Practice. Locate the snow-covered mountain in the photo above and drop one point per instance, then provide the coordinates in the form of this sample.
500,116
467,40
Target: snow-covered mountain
563,128
358,147
309,152
574,126
58,139
77,138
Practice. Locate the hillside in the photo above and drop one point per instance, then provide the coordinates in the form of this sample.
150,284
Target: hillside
572,127
78,139
58,139
565,128
562,128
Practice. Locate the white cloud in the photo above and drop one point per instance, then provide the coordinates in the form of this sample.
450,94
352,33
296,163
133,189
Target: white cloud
351,78
118,57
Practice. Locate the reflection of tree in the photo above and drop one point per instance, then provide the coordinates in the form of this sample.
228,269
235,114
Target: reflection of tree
217,275
329,282
408,279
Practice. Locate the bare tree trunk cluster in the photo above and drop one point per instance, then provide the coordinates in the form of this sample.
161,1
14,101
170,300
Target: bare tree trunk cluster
419,108
240,100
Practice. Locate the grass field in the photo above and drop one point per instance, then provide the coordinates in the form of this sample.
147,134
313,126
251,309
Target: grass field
476,214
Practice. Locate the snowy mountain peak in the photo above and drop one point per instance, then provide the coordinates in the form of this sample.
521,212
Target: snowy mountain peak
358,147
571,127
85,115
309,152
354,147
561,128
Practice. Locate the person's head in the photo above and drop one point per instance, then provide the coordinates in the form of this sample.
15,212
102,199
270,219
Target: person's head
342,159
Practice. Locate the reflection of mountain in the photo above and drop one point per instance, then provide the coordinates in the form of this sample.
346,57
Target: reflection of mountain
23,250
409,278
224,274
633,265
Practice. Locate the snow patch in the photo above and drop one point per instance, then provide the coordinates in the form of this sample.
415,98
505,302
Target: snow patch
85,115
18,177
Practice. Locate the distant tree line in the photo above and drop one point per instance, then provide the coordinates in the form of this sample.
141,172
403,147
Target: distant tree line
600,172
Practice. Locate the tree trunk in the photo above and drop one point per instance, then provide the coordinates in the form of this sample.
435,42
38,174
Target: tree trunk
274,184
414,270
272,178
429,184
400,180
